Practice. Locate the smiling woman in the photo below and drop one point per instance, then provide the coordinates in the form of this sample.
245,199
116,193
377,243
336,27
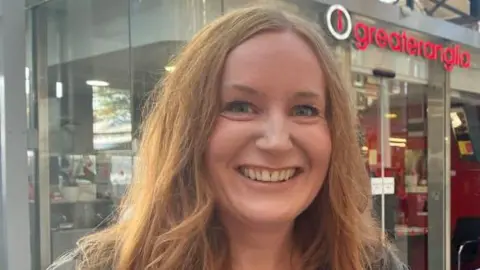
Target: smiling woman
248,160
269,127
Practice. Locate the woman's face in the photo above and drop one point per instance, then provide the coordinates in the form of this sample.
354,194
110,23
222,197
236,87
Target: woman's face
269,151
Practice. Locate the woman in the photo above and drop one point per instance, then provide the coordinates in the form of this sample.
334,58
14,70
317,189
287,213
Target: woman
248,160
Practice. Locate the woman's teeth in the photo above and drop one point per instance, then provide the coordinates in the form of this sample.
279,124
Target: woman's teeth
268,175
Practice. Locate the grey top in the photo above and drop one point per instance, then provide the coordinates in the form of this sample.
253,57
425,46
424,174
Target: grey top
67,262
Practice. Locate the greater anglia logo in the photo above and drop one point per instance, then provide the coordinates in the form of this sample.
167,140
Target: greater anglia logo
340,26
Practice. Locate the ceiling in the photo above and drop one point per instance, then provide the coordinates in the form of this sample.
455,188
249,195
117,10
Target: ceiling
148,63
456,11
446,13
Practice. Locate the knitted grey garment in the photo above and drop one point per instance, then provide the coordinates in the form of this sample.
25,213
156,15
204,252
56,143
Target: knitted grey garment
67,262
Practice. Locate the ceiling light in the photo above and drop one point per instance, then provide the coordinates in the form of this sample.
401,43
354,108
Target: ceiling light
59,89
398,144
97,83
456,121
398,140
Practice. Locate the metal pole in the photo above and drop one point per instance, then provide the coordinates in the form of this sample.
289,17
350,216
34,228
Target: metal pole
384,76
14,219
40,54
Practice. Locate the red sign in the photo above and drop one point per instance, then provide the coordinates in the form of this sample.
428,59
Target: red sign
340,25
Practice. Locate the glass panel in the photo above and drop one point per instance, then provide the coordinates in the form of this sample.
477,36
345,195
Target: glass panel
31,143
395,155
154,47
85,114
152,50
97,62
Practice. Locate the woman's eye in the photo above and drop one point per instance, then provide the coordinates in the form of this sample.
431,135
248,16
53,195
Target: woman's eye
239,107
305,110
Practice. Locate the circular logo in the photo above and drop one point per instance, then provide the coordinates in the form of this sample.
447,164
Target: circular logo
339,22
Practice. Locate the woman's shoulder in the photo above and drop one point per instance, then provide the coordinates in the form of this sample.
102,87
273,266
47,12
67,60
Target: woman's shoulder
391,261
65,262
75,260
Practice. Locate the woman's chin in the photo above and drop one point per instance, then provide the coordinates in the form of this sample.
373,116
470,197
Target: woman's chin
258,217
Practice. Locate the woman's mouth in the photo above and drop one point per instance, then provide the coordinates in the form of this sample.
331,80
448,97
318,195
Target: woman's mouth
269,175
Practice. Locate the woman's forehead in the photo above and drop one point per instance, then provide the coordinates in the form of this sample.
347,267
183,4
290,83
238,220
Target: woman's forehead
274,60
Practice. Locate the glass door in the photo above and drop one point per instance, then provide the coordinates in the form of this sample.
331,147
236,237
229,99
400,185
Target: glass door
393,130
465,179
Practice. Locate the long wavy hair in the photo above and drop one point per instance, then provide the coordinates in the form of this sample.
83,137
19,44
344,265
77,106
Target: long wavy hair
172,223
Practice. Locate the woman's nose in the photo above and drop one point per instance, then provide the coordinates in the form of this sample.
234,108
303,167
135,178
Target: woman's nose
276,134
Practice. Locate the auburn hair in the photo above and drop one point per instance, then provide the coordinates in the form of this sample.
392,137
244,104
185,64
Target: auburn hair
171,223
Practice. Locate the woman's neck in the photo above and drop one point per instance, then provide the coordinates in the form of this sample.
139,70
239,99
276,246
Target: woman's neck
260,247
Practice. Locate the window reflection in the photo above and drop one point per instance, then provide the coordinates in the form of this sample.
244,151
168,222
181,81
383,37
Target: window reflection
98,61
112,121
